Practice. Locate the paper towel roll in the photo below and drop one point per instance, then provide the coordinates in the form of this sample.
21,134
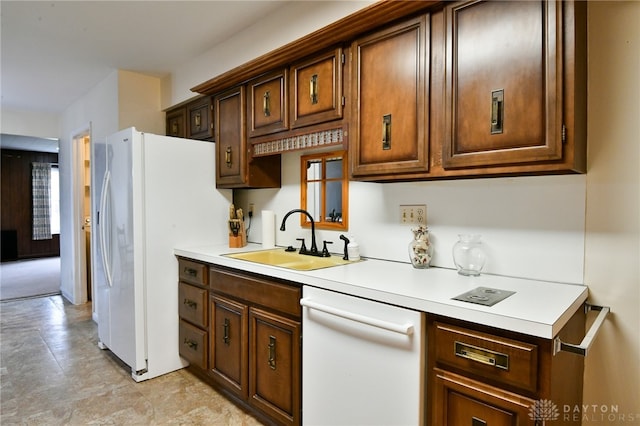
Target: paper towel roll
268,229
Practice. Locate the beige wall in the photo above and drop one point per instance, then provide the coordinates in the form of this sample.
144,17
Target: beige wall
612,245
139,103
121,100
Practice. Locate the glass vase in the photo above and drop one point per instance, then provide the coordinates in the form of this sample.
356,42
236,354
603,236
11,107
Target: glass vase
469,255
420,249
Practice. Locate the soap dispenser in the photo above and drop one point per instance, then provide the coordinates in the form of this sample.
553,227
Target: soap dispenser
353,249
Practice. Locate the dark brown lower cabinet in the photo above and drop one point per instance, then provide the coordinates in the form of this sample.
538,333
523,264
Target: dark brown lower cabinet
229,344
249,345
483,376
274,369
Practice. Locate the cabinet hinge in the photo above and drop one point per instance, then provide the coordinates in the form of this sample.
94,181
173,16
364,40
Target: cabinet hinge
343,58
564,134
344,101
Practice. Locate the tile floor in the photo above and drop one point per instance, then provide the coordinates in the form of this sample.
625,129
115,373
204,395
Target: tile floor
53,373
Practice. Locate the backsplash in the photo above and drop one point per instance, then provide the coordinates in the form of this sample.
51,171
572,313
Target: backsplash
532,227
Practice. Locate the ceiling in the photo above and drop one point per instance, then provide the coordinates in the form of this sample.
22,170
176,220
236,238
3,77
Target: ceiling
53,52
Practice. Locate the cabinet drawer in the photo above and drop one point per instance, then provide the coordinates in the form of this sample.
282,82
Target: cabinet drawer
193,344
193,304
473,403
496,358
280,297
192,272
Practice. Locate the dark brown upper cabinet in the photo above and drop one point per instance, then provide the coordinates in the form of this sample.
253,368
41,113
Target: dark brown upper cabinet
389,120
200,124
316,89
509,84
268,104
235,166
176,120
192,120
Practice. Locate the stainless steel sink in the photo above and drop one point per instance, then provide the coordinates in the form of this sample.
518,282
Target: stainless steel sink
288,259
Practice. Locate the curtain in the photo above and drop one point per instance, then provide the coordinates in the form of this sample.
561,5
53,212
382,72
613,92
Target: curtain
41,184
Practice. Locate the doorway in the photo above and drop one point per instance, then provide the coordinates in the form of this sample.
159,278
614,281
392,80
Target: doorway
86,208
83,287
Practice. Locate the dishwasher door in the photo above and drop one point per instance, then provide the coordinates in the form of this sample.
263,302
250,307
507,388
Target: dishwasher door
362,361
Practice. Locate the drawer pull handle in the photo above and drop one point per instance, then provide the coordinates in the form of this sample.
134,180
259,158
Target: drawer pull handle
272,352
386,132
497,111
225,331
483,356
191,271
190,303
191,343
266,103
313,89
585,345
478,422
227,157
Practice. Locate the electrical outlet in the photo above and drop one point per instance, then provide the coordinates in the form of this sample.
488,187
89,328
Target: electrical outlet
250,210
413,214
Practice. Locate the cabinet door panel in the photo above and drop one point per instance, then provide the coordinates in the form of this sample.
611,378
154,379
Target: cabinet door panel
176,123
275,365
230,137
268,104
503,83
316,89
390,115
229,334
199,114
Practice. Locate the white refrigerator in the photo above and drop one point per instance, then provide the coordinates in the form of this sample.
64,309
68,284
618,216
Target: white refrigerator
156,192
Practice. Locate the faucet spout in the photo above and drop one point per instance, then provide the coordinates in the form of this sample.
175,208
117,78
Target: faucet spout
314,247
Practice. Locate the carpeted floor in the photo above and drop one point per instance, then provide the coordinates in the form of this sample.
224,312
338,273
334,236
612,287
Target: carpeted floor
29,278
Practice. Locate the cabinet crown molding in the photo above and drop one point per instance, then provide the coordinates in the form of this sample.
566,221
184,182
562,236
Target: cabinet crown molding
341,31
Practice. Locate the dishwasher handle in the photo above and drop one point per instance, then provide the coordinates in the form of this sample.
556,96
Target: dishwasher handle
406,329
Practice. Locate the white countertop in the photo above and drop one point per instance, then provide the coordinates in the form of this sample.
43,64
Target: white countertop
538,308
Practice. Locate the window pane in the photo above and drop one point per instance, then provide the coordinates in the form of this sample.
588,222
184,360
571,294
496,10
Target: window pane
313,200
334,168
314,170
55,201
334,202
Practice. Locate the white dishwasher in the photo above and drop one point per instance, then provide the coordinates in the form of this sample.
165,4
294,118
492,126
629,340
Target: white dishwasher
362,361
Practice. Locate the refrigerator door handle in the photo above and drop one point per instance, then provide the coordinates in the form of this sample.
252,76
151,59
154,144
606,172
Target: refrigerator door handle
106,183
